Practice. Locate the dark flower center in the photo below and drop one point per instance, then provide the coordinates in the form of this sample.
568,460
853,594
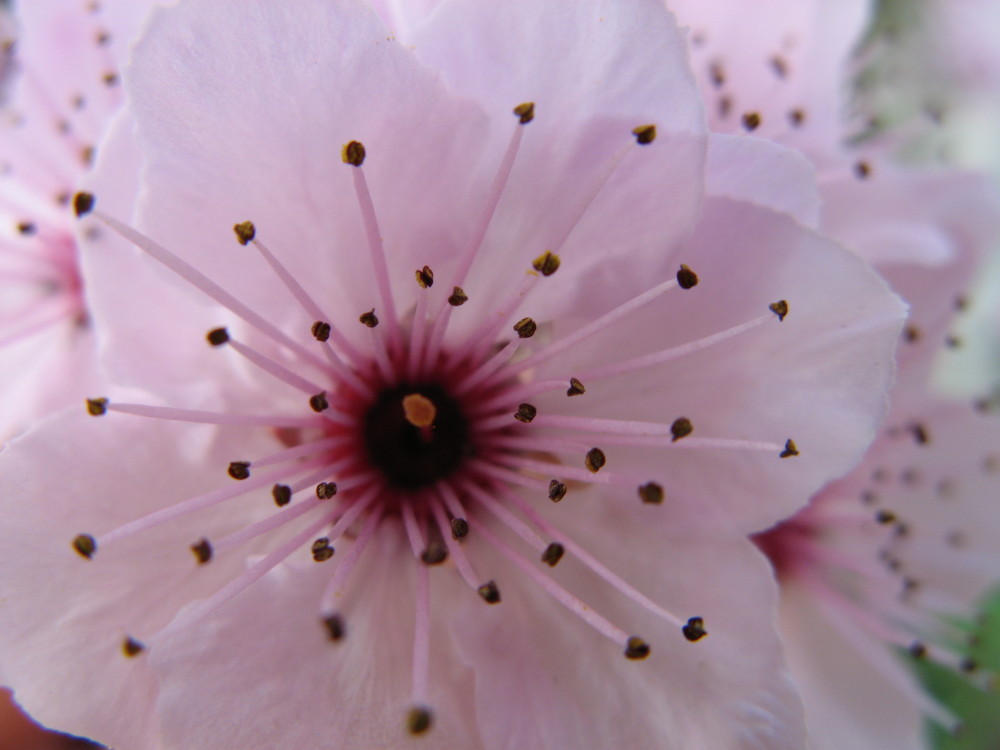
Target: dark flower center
410,456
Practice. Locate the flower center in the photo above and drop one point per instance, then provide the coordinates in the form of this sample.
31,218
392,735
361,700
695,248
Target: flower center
415,435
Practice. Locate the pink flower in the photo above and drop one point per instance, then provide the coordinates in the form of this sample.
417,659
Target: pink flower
518,290
882,556
65,86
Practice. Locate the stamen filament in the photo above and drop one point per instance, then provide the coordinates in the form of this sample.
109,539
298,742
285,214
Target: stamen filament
211,417
335,588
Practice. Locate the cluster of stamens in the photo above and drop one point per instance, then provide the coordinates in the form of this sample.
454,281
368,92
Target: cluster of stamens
431,431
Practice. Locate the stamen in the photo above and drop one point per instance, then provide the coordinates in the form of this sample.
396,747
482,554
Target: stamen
489,592
419,720
202,550
465,568
211,417
575,388
335,627
354,154
644,134
651,493
85,545
594,460
681,428
525,328
131,647
239,470
694,629
779,308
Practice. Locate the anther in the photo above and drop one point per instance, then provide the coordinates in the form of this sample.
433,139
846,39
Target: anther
525,328
651,493
245,232
968,665
918,650
681,428
459,528
796,117
862,170
335,629
694,629
920,434
282,495
369,318
790,449
239,469
751,121
131,647
425,277
553,554
525,413
319,402
575,388
419,720
489,592
525,112
885,517
202,550
434,554
458,297
686,278
419,410
83,204
85,544
546,264
779,308
644,134
326,490
321,330
97,407
26,228
353,153
557,490
594,460
636,648
321,549
217,336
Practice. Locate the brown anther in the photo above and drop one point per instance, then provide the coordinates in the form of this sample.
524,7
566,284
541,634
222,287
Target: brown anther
321,550
694,629
425,277
750,121
319,402
557,490
790,449
83,204
968,665
217,336
796,117
717,74
686,278
575,388
779,308
918,650
644,134
419,720
97,407
546,264
525,328
26,228
419,410
326,490
282,495
525,112
885,517
202,550
636,648
952,342
489,592
434,554
553,554
911,334
920,434
525,413
369,319
321,330
353,153
594,460
681,428
651,493
103,38
110,79
245,232
131,647
459,528
334,625
458,297
862,170
85,545
239,469
779,66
